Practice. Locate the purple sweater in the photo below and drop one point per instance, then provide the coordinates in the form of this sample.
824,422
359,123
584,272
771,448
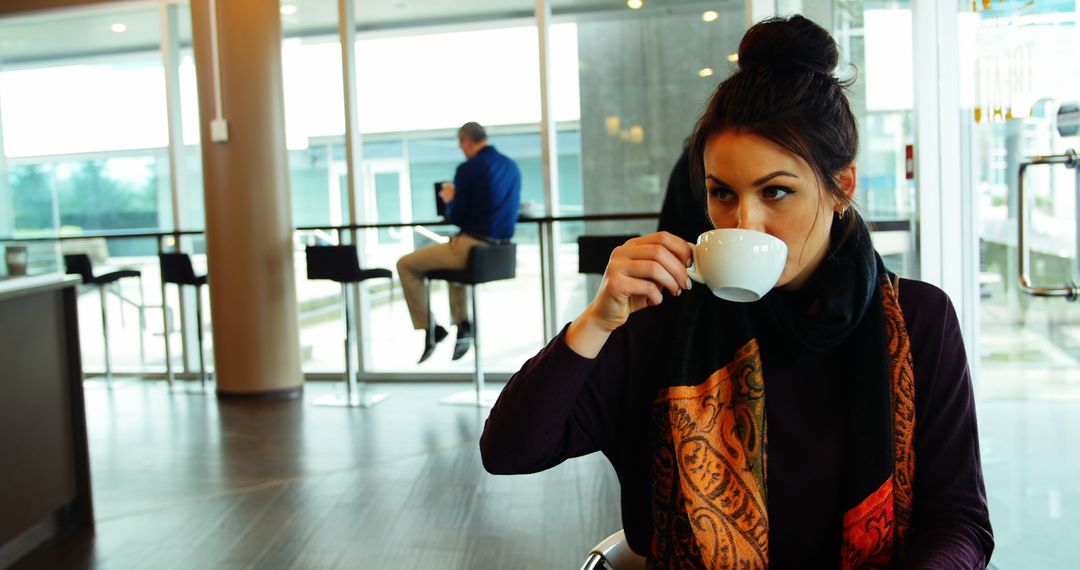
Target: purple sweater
562,405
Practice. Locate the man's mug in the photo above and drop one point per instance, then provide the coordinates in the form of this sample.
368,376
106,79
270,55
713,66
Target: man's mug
738,265
17,258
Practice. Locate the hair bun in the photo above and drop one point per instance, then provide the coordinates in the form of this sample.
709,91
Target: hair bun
788,44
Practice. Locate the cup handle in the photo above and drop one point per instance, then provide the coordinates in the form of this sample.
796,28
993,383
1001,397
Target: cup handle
692,271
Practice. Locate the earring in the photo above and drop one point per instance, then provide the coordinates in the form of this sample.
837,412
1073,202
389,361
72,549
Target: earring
842,214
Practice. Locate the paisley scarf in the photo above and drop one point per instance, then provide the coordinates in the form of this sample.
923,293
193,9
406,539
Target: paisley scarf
710,506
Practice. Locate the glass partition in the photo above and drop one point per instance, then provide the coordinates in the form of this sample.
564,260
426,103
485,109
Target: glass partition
85,139
1019,66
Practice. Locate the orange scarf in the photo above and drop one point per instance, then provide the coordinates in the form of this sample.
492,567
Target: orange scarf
709,488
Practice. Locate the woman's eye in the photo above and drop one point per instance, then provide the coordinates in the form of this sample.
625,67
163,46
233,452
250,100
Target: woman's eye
776,193
722,194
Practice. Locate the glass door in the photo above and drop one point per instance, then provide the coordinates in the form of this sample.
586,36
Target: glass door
1020,73
387,199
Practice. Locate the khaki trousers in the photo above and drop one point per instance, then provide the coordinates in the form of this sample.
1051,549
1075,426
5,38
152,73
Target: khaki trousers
411,270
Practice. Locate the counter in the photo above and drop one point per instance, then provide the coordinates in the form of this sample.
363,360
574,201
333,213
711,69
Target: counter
45,478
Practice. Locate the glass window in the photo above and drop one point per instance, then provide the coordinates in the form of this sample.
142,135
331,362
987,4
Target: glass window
1019,64
84,136
876,50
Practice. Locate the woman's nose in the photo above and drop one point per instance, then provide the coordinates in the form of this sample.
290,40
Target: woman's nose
751,217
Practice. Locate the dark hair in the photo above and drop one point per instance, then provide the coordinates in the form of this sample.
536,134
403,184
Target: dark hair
785,91
472,132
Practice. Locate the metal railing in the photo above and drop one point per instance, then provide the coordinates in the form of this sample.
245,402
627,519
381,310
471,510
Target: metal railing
546,228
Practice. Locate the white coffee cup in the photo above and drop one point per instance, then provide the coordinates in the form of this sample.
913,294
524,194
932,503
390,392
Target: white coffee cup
738,265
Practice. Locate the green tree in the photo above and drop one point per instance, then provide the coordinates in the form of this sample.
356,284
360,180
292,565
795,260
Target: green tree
31,196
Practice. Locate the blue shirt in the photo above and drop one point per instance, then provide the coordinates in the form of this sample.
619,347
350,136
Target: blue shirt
487,195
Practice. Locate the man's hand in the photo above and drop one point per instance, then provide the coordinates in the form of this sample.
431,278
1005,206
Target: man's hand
447,193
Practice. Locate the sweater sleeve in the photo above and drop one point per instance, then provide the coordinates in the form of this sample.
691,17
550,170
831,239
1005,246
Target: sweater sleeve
464,179
559,405
951,520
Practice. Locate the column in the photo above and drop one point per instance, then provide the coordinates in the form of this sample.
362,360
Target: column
249,229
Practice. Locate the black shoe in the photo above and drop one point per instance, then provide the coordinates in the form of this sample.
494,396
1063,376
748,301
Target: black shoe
434,336
464,339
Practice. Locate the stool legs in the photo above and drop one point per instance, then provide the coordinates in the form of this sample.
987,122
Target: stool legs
478,396
142,325
199,335
478,370
169,376
166,330
350,369
356,396
105,331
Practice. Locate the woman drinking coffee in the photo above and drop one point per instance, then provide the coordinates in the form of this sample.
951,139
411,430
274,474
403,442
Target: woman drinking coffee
830,423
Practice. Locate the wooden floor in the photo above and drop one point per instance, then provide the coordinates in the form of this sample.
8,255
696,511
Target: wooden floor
186,481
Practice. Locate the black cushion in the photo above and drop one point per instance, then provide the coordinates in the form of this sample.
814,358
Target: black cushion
595,251
80,264
116,276
487,262
339,263
176,268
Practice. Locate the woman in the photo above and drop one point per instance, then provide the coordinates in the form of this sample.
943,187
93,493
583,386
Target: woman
829,424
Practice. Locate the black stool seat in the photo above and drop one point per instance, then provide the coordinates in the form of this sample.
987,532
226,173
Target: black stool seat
594,252
486,263
339,263
79,264
176,268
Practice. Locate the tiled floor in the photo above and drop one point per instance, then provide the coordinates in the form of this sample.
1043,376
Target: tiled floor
1028,398
185,481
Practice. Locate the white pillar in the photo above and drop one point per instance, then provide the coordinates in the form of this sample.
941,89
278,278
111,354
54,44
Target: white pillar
549,156
758,10
948,240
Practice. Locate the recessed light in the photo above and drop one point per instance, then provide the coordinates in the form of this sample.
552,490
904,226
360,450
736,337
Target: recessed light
118,28
709,16
733,58
705,72
635,4
288,9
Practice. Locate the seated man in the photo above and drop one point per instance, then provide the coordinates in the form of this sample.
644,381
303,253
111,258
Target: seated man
483,201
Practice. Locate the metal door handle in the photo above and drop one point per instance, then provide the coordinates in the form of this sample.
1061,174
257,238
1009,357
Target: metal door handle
1071,290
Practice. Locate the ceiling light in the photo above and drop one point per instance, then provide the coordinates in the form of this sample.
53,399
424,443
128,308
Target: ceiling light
709,16
612,125
118,28
705,72
288,9
635,4
733,58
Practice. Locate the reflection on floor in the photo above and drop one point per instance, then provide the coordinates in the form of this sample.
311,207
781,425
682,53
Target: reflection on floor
1028,398
1031,464
184,481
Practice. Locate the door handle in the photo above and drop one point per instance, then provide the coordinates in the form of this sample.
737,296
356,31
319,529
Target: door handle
1071,290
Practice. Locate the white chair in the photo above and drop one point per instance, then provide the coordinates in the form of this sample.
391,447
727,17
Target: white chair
614,553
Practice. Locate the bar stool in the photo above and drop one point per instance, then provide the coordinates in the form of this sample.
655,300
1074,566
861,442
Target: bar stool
340,263
594,252
80,264
486,263
176,269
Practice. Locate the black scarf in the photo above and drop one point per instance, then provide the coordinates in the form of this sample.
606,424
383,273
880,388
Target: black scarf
715,512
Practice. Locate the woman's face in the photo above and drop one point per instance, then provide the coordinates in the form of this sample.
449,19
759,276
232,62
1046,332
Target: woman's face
755,184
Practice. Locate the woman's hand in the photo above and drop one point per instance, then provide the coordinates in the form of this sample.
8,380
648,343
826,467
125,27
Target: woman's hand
636,276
